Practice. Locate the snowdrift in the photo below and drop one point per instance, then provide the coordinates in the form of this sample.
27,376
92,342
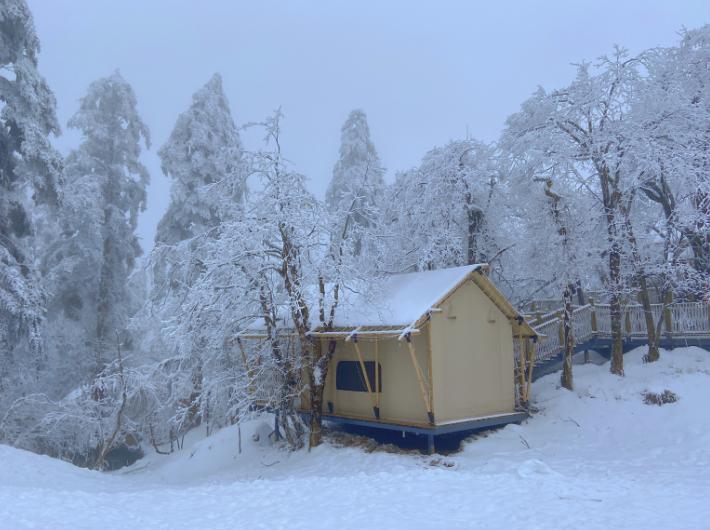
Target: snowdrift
597,457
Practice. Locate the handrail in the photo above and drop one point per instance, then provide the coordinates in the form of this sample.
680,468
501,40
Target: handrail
678,319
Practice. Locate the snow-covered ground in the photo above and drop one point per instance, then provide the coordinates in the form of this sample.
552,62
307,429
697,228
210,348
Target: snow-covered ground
594,458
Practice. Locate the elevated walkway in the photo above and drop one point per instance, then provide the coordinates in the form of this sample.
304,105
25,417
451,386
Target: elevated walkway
684,324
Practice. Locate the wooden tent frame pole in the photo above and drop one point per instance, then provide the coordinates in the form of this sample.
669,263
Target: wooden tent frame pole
430,366
377,378
521,370
250,383
375,409
420,377
244,355
531,363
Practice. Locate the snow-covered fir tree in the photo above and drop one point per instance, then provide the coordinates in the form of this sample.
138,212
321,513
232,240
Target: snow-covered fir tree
356,189
30,177
106,190
203,157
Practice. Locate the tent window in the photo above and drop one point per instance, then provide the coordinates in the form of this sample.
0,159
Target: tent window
348,376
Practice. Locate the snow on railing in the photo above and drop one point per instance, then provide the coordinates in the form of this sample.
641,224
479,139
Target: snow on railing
549,343
582,329
540,306
267,387
686,318
690,317
603,314
552,334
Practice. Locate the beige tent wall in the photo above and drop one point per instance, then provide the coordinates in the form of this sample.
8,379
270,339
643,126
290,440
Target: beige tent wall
473,363
400,400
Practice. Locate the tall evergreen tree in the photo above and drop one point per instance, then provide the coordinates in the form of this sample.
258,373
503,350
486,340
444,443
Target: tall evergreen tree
357,185
106,190
28,163
203,157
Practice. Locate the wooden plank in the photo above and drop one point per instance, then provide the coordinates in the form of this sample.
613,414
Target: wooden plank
420,378
244,355
431,369
531,362
521,371
377,377
364,375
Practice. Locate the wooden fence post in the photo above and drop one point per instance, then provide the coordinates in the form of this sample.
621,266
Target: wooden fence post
594,316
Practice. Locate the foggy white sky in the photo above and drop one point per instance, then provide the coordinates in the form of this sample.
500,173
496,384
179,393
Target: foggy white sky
423,72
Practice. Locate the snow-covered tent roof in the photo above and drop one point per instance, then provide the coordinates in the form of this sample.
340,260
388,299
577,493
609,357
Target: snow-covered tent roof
400,299
398,304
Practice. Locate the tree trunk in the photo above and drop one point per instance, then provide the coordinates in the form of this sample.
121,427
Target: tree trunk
108,443
617,351
317,378
653,353
566,379
475,219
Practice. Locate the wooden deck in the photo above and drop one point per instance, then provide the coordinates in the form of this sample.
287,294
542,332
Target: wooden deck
684,324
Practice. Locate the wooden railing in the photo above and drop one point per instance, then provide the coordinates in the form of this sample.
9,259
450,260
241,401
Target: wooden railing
592,321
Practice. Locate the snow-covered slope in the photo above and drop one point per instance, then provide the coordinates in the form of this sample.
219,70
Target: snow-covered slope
594,458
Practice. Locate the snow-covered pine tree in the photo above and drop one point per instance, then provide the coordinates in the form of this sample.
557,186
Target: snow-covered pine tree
203,157
106,185
28,163
357,186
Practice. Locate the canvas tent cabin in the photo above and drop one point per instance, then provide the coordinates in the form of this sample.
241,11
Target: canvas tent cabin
426,352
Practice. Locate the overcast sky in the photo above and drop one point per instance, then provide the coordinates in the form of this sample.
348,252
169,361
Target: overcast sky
424,72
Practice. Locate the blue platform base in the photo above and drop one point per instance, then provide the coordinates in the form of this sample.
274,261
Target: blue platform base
444,437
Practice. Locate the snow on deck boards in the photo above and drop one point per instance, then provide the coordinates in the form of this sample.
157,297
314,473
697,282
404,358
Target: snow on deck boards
478,418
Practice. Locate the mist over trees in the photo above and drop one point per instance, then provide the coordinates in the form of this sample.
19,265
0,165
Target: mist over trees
600,186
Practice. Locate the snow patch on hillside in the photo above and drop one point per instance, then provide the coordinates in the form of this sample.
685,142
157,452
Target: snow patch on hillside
593,458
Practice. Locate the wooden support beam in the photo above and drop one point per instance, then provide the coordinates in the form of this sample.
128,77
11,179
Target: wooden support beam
521,371
377,379
431,370
250,383
430,447
365,377
420,377
244,355
531,346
